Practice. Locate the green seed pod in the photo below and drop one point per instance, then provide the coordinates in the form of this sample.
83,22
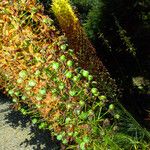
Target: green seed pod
34,120
69,63
65,141
38,105
81,71
77,111
59,137
86,85
42,91
68,74
42,125
23,97
75,78
45,20
111,107
96,94
56,79
23,111
55,65
67,120
82,103
54,90
39,98
70,133
28,88
37,73
23,74
85,73
32,83
20,80
90,77
117,116
102,97
17,93
61,86
69,106
94,90
11,92
63,58
94,83
71,51
14,100
79,76
64,47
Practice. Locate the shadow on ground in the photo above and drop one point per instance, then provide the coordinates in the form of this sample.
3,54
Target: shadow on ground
37,139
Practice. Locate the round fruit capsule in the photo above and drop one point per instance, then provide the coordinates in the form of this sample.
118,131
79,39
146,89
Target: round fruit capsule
67,120
102,97
70,133
96,94
28,88
32,83
85,73
94,90
10,92
61,86
20,80
45,20
39,98
38,105
86,84
54,91
14,100
42,125
63,58
111,107
55,65
65,141
117,116
75,79
82,103
64,46
37,73
42,91
68,74
59,137
24,112
23,74
90,77
71,51
94,83
69,63
23,97
68,106
34,120
17,93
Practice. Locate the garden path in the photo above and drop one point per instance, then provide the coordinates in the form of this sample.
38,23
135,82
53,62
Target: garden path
17,133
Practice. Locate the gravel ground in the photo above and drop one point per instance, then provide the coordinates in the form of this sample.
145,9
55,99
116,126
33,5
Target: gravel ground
17,133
